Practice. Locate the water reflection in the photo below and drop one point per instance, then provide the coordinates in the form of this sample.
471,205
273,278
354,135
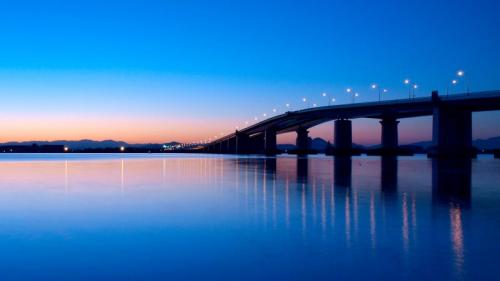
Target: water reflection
319,212
451,181
343,171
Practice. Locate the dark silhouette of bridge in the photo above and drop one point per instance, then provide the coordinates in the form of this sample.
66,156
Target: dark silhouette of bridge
451,129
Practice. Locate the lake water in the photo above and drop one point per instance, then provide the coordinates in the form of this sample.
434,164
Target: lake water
207,217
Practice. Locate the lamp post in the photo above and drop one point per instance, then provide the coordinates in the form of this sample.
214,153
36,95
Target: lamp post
354,97
460,74
375,86
327,96
415,87
407,83
453,83
304,100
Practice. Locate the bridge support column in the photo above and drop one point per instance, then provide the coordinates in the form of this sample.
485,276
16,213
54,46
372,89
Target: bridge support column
231,145
302,141
242,143
270,142
452,133
343,137
389,135
256,144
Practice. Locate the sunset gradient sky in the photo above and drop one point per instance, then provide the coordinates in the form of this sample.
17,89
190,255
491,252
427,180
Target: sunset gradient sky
157,71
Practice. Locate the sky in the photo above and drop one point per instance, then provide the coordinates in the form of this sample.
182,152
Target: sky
158,71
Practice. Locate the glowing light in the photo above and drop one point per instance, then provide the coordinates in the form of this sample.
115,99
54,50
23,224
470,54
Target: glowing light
304,99
460,73
333,99
264,114
415,86
407,81
287,105
122,148
323,94
274,109
356,95
454,81
348,90
385,90
374,86
66,149
314,105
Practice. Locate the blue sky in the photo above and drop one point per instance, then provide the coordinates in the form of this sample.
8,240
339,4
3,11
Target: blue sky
187,70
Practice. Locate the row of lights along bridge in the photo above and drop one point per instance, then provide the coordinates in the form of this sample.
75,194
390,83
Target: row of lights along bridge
411,85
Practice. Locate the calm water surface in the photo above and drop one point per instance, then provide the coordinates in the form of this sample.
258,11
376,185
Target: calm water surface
196,217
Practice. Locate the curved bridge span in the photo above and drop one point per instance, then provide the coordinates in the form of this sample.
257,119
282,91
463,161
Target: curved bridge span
452,124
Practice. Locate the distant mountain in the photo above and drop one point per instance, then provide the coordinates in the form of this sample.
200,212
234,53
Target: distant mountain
491,143
320,144
89,144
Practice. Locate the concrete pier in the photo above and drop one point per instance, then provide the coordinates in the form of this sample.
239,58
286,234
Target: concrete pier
270,142
389,138
451,131
242,143
343,137
302,141
257,144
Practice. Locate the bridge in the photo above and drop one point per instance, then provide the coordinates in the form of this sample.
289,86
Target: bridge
451,126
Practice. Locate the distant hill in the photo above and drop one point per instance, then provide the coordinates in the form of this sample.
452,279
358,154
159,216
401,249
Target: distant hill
89,144
320,145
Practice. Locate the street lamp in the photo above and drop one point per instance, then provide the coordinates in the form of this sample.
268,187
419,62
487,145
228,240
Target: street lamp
333,100
461,73
407,82
354,97
375,86
304,100
415,86
453,83
325,95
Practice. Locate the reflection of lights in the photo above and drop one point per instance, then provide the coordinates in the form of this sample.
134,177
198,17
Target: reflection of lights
457,236
404,229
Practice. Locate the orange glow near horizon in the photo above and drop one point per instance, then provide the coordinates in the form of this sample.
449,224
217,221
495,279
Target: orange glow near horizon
132,130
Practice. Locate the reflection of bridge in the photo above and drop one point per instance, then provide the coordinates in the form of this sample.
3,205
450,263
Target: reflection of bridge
452,124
